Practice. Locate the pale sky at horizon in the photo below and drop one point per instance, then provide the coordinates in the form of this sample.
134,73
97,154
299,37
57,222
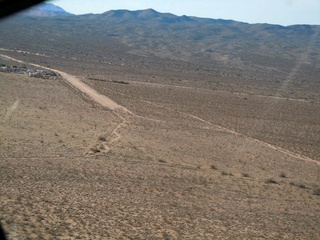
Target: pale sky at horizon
283,12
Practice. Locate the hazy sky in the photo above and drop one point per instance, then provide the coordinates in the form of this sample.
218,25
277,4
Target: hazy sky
284,12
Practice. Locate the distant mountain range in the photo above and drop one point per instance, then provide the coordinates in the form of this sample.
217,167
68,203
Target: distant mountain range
147,36
46,10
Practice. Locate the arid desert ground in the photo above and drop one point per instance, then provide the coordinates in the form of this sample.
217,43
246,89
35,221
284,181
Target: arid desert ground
183,155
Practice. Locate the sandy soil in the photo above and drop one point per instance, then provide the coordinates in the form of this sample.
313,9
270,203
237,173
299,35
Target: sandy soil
167,168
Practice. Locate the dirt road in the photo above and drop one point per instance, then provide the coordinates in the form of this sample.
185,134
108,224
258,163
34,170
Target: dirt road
82,87
106,102
103,100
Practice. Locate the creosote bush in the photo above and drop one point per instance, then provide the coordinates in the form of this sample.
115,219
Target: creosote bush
272,181
317,191
102,138
283,175
95,150
213,167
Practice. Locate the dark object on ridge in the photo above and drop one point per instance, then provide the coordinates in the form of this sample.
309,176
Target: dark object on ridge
9,7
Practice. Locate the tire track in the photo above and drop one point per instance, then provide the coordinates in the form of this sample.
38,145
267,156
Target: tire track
102,145
10,110
112,105
75,82
276,148
93,95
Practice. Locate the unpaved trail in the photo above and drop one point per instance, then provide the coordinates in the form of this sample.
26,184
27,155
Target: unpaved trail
91,93
220,91
103,145
82,87
101,99
276,148
114,132
10,110
112,105
287,152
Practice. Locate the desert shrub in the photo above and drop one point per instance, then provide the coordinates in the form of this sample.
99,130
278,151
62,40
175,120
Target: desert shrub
317,191
272,181
302,185
102,138
213,167
95,150
245,175
283,175
224,173
102,147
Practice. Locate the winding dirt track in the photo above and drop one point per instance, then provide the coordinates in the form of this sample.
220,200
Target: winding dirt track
103,100
276,148
82,87
112,105
93,94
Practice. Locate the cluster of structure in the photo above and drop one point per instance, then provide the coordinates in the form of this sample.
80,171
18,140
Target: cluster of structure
31,72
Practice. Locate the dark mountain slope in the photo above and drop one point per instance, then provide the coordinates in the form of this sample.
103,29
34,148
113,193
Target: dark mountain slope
147,35
46,10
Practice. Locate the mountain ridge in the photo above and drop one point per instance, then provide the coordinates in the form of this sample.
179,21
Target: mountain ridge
52,10
46,10
206,43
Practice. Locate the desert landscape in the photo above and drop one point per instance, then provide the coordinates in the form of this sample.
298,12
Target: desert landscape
142,145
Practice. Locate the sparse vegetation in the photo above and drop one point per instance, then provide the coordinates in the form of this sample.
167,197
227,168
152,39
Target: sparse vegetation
95,150
300,185
224,173
272,181
283,175
130,192
213,167
102,138
102,147
317,191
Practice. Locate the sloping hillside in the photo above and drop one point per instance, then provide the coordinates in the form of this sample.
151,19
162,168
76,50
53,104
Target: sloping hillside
121,35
